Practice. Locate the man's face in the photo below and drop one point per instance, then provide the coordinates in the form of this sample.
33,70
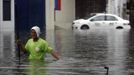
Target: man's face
33,34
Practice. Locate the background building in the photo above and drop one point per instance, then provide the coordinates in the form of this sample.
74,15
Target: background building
7,15
117,7
130,8
21,15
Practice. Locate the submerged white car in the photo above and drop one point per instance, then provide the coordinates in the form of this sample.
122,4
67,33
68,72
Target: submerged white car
101,20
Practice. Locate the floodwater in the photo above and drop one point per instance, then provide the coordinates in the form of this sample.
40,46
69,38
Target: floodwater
82,52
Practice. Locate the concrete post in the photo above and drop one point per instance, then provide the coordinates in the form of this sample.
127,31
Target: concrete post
0,14
1,35
50,28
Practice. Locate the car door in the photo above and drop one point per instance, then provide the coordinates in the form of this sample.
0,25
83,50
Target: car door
104,21
98,21
111,21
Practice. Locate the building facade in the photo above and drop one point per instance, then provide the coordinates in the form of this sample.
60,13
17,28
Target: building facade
7,21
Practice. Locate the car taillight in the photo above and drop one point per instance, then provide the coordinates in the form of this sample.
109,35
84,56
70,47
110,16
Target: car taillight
126,24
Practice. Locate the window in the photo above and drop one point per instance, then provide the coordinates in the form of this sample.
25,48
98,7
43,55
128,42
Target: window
98,18
6,10
104,18
111,18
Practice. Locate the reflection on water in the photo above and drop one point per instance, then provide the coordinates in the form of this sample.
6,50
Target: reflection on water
83,52
1,45
118,46
7,51
7,47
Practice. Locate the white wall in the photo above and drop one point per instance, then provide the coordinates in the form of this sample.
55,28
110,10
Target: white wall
116,7
112,7
65,15
67,12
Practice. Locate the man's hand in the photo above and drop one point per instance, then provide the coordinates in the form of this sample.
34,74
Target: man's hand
18,42
55,55
20,45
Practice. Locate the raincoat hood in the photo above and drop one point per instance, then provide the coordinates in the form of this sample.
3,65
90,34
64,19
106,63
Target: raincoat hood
37,30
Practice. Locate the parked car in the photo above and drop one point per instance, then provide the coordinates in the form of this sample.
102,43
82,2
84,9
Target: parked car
101,20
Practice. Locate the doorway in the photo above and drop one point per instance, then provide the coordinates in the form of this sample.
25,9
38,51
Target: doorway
29,13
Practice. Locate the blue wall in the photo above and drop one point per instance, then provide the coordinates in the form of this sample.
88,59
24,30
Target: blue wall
29,13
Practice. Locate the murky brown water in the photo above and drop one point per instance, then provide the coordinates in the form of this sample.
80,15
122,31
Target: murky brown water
82,53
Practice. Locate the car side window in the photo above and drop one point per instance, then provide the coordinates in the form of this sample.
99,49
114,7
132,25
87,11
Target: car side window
98,18
111,18
104,18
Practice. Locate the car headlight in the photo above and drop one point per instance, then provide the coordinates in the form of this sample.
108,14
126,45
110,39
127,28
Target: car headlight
76,22
73,23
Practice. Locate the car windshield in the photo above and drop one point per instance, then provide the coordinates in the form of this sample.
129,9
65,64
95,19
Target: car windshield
87,17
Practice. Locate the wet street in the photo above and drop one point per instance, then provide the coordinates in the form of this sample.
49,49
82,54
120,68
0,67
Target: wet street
82,52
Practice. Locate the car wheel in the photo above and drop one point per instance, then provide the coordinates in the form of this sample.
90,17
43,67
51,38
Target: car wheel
72,27
119,27
84,27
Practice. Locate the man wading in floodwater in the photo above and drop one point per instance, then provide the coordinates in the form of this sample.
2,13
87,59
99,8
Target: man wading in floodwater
37,47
